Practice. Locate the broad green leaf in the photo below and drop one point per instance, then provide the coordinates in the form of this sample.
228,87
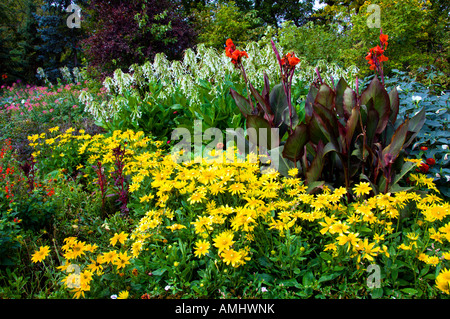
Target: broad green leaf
325,256
308,279
329,277
409,291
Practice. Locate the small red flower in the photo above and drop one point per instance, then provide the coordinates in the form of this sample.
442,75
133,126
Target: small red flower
424,167
291,59
423,148
383,39
431,161
231,52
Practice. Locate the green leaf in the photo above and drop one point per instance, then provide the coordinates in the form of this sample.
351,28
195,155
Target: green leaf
159,271
406,167
308,279
329,277
289,282
410,291
377,293
325,256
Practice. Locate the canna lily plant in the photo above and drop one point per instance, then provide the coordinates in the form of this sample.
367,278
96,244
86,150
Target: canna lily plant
346,135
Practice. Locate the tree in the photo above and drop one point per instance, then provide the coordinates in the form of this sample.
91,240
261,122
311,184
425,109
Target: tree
122,33
215,23
408,24
59,46
273,13
18,38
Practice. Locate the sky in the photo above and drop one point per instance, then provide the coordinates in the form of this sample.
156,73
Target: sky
317,5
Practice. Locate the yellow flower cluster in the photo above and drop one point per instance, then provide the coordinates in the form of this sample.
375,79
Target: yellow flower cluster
78,253
230,206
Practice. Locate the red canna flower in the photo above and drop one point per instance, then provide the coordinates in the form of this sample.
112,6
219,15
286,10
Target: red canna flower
431,161
423,148
237,55
4,76
230,48
383,39
231,52
291,59
376,56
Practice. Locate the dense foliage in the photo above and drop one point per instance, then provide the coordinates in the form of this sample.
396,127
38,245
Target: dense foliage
131,32
103,196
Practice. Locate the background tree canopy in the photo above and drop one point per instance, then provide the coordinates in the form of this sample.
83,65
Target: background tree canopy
115,34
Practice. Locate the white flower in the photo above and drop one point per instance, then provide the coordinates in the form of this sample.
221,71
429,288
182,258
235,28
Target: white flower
263,289
113,296
447,177
166,287
445,147
416,98
446,157
399,88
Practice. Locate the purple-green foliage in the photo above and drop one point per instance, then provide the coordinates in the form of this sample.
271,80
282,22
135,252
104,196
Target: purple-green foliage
122,33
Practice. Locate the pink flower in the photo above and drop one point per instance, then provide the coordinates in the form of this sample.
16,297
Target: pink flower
51,110
44,111
74,107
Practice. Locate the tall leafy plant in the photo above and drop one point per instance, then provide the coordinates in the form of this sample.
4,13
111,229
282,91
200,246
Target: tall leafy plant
345,135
